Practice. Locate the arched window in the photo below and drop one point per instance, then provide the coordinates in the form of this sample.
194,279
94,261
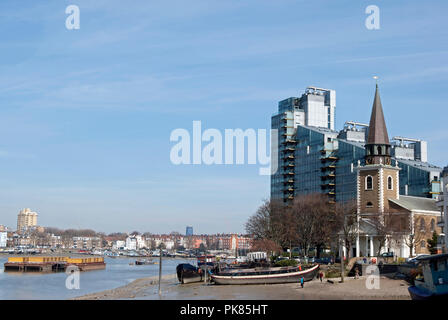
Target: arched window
422,244
422,224
379,150
390,185
369,183
433,225
369,205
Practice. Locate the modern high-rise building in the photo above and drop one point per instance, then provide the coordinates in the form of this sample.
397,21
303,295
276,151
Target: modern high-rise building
26,219
313,157
189,231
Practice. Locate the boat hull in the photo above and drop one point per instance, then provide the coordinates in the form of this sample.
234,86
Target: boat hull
287,277
187,273
419,294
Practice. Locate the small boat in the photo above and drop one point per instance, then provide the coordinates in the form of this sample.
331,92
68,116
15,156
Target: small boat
187,273
434,283
143,262
265,275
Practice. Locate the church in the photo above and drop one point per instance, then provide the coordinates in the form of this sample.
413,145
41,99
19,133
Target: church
387,221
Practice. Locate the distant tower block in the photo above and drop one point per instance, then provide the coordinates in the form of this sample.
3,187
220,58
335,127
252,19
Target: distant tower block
26,219
189,231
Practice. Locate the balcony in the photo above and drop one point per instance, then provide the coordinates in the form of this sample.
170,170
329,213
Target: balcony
290,149
289,141
289,165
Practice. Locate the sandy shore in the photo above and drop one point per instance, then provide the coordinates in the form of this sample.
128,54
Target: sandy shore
351,289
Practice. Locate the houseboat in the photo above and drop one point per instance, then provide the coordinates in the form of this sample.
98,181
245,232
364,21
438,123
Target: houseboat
187,273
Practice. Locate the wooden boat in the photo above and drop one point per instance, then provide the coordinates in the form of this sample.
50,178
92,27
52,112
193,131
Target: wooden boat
434,283
187,273
265,275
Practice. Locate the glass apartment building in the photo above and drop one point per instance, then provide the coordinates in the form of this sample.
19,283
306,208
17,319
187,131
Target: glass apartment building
313,157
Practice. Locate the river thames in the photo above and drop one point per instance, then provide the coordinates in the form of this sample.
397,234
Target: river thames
118,272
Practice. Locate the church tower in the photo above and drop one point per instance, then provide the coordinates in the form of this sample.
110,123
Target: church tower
377,180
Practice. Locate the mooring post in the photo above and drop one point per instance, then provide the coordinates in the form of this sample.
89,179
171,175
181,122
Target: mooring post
160,270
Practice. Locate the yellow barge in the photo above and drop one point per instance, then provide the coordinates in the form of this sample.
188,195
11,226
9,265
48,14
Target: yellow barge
52,264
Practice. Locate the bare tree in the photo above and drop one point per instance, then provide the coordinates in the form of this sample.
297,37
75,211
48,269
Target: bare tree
266,245
265,223
189,242
413,236
345,215
310,221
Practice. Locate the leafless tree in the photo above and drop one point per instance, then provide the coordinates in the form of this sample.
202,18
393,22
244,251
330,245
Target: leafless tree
310,221
266,245
189,242
267,222
413,236
345,217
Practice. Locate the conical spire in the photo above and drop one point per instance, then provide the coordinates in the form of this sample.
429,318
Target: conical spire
377,127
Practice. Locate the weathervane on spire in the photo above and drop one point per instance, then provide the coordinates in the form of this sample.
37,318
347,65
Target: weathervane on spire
376,79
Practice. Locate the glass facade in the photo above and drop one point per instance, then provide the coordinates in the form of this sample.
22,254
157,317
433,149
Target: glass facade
325,163
312,157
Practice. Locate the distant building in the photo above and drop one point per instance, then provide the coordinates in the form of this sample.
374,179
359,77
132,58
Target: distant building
189,231
86,243
26,219
3,228
3,239
119,245
131,243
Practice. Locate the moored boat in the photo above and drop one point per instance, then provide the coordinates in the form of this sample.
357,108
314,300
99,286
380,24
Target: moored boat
265,275
187,273
434,283
144,262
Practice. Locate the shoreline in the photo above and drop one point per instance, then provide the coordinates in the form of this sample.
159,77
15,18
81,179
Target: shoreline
351,289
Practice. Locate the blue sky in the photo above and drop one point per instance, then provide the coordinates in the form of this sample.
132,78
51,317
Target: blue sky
86,114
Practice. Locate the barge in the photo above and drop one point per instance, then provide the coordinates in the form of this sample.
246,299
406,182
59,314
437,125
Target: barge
52,264
265,275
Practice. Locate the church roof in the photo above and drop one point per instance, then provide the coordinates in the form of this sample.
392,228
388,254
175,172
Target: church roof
419,204
377,126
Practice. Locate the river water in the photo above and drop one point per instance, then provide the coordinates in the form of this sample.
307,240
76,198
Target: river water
118,272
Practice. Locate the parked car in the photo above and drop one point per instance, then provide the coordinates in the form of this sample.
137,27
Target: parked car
282,258
414,259
325,260
311,259
387,255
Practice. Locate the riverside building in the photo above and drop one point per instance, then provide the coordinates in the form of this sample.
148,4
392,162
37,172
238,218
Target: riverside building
314,157
26,219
